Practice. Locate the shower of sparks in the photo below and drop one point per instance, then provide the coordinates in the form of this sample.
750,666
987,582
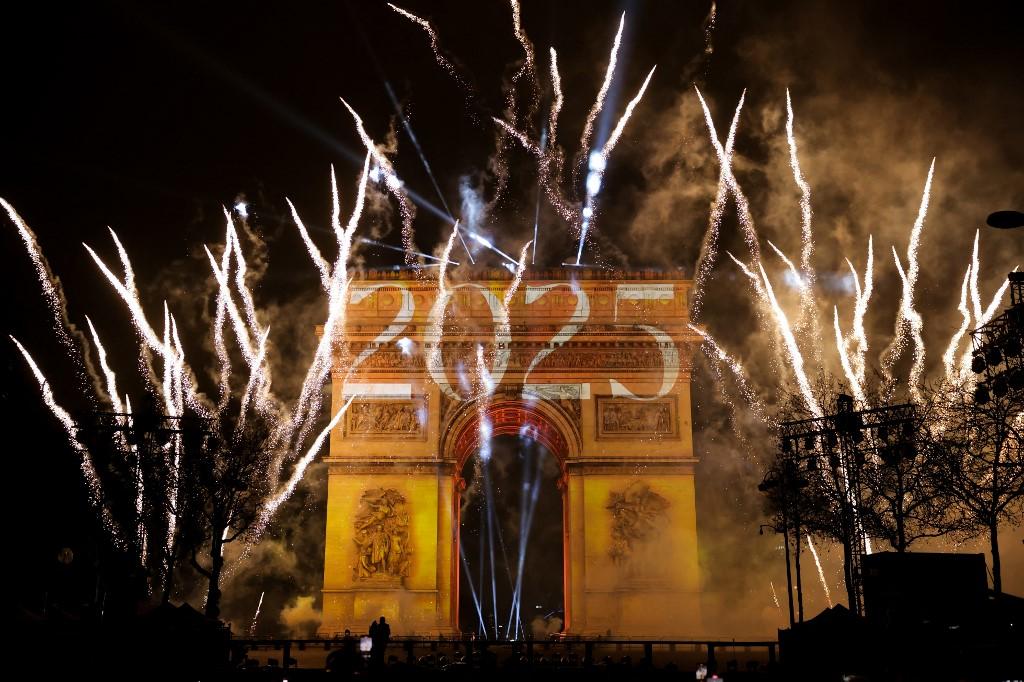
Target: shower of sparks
807,308
916,324
709,246
173,381
725,165
796,358
50,293
821,571
391,182
739,375
908,321
709,30
598,163
256,616
595,109
108,373
775,597
442,61
858,335
556,104
852,348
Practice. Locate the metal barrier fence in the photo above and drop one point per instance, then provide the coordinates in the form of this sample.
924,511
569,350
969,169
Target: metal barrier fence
312,653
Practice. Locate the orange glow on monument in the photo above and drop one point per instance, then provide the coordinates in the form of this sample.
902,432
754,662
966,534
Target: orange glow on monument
596,369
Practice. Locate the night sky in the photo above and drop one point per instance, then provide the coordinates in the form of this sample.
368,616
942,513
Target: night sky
149,117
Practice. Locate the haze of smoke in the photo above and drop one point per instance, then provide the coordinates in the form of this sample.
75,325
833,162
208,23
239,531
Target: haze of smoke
299,618
863,153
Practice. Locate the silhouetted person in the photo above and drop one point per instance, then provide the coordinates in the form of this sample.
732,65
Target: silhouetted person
380,635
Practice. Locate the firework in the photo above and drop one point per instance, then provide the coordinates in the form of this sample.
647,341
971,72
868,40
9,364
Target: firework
725,165
256,616
821,571
807,308
595,109
442,61
908,321
709,245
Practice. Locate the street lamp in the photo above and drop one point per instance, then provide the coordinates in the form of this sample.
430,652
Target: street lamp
1006,220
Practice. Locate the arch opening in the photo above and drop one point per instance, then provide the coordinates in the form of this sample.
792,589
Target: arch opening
511,582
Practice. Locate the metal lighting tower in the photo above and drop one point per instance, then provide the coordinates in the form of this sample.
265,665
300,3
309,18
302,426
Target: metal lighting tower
998,348
842,444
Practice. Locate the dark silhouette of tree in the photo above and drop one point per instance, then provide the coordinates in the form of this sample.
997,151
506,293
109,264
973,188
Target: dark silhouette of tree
134,457
902,471
222,488
899,465
983,465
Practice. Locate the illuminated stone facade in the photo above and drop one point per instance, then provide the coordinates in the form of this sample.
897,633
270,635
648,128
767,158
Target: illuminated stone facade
597,367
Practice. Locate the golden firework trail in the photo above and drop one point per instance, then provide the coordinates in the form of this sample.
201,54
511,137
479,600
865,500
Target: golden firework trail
319,262
256,616
108,373
858,335
285,491
235,304
807,317
738,373
391,182
529,67
796,358
821,571
435,46
613,139
908,321
556,104
953,373
725,165
92,480
50,292
709,245
844,359
595,109
220,346
916,325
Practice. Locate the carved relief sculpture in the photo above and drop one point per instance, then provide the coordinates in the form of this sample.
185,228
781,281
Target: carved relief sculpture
382,535
637,514
628,418
387,418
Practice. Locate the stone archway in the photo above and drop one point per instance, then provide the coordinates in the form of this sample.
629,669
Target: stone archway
597,367
508,413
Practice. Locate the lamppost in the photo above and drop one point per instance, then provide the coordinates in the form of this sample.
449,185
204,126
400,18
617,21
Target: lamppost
789,572
840,442
1006,220
789,481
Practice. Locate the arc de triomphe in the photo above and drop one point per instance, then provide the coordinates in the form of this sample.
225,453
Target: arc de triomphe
595,367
